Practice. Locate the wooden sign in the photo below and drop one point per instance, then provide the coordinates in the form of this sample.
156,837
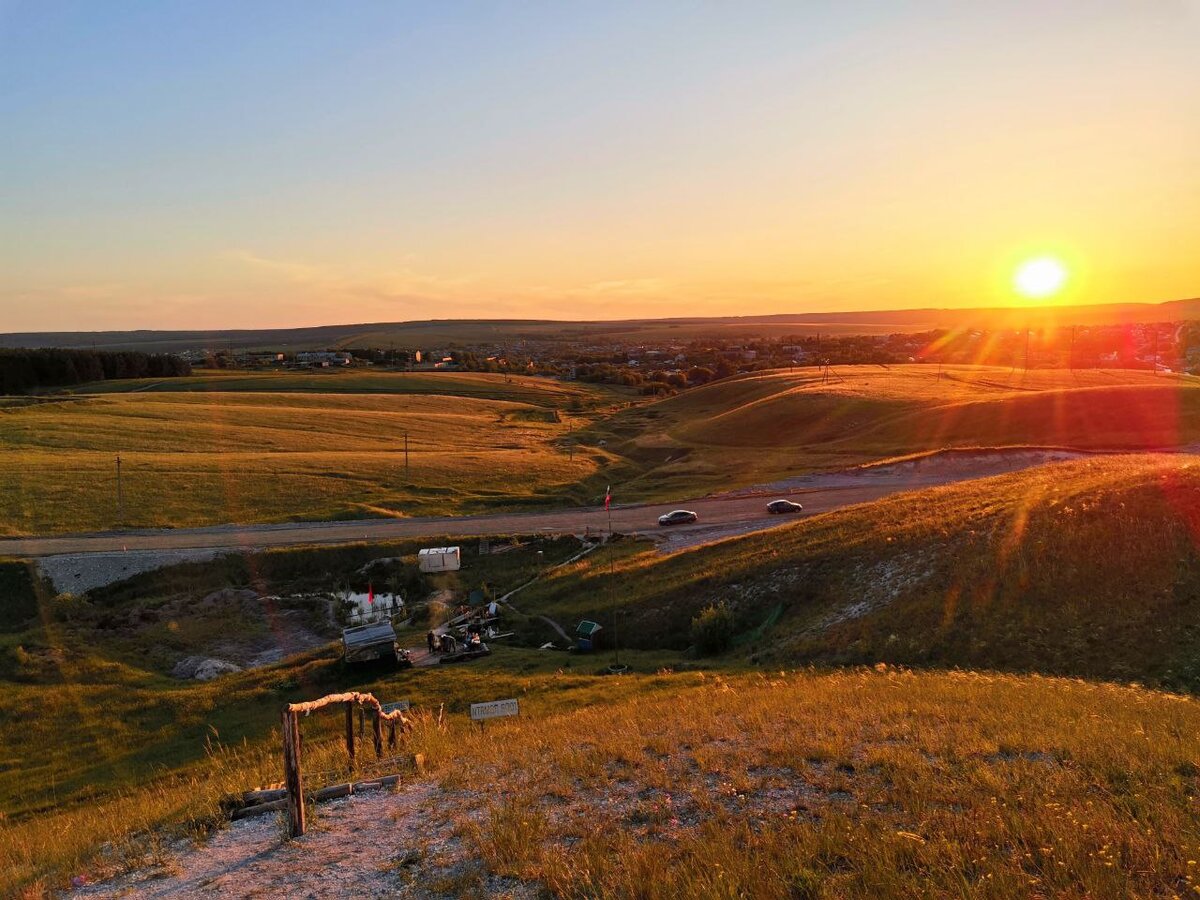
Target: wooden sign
402,705
494,710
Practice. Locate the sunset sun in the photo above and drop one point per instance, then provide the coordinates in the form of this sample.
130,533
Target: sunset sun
1040,278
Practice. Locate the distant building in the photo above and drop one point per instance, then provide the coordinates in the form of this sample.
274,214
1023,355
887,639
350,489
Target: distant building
324,358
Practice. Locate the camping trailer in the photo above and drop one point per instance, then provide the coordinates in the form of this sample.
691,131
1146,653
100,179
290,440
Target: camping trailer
439,559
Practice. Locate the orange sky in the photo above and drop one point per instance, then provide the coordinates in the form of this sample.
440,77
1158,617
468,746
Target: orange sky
294,166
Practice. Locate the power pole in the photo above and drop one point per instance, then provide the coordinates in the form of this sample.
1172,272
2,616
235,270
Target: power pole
120,495
612,575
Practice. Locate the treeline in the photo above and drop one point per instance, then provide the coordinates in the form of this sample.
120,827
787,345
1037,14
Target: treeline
24,370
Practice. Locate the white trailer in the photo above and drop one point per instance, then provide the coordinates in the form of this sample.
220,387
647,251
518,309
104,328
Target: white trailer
439,559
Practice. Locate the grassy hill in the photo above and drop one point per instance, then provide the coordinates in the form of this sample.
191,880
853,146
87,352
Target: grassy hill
857,784
546,392
730,775
764,426
423,334
269,448
1088,568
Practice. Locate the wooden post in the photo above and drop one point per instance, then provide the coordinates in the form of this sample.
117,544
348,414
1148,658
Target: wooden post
350,731
392,735
291,773
377,728
362,721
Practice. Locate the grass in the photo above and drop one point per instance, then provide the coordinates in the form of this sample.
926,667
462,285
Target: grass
761,427
96,667
543,392
687,784
1081,568
192,459
919,785
146,752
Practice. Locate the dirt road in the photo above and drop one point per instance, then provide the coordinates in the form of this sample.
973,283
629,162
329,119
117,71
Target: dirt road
730,514
721,511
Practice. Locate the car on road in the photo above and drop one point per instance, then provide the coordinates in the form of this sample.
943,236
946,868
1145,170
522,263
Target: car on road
784,506
678,517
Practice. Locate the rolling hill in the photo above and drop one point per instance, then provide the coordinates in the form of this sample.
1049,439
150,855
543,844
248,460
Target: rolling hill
1086,568
765,426
426,333
289,447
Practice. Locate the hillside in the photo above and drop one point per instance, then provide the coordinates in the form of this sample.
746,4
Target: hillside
425,333
766,426
1087,568
860,784
856,783
282,447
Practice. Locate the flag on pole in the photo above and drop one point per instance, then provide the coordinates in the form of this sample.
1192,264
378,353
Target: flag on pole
370,594
607,496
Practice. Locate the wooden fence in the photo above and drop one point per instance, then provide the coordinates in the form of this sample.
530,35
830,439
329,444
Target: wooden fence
293,776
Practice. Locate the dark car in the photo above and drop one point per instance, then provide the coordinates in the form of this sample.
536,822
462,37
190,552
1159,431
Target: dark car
677,517
784,506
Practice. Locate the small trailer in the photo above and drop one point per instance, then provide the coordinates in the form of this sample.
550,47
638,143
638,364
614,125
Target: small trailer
439,559
374,642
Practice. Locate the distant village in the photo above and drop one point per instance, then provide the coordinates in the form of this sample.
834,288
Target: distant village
672,365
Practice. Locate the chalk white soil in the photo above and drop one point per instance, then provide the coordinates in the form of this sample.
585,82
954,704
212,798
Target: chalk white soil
379,844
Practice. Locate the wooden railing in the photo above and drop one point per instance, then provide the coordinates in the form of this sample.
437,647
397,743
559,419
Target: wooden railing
293,776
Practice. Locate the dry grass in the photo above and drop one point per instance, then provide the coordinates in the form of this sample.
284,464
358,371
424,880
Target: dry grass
1081,568
770,425
199,459
514,388
859,784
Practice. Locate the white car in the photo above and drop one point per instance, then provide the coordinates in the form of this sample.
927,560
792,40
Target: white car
678,517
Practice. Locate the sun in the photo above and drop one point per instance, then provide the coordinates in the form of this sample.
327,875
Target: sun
1040,277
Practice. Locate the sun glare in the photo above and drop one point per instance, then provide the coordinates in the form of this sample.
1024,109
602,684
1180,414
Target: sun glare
1040,278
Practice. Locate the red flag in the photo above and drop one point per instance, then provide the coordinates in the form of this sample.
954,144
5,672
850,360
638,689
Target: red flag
370,594
607,496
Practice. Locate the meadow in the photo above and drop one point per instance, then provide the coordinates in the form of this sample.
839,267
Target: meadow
765,426
1085,568
547,392
281,447
860,783
1014,778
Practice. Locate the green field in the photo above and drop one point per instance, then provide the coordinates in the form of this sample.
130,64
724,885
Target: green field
268,448
757,428
516,388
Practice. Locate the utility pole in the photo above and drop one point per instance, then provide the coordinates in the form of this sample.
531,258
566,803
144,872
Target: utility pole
120,495
612,575
406,478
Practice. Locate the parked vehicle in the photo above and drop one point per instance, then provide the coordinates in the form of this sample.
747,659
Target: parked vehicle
784,506
678,517
374,642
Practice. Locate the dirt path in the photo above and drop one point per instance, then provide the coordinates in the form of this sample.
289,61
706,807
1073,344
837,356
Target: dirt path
381,844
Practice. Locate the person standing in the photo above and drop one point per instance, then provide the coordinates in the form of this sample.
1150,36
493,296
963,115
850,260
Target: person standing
431,639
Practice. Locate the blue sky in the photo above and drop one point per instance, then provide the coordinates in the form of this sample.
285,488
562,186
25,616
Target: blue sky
244,164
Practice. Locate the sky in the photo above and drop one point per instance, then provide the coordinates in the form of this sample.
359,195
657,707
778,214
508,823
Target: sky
271,164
